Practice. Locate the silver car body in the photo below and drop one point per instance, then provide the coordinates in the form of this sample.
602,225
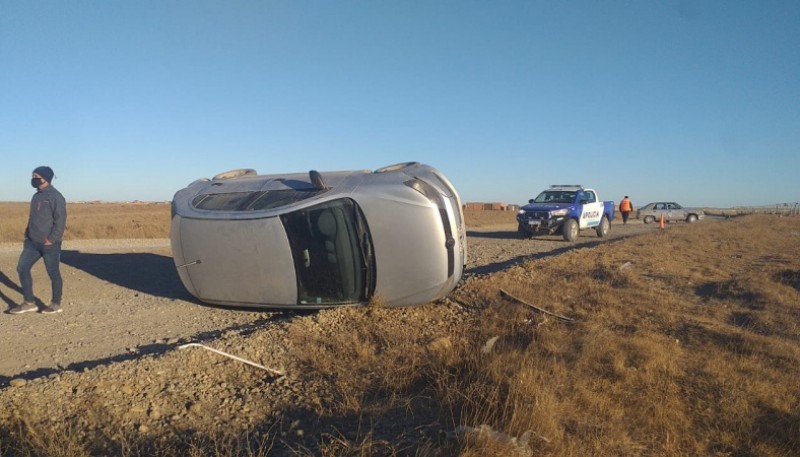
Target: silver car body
316,240
671,211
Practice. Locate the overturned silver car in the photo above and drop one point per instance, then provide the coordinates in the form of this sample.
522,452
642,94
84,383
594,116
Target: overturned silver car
317,240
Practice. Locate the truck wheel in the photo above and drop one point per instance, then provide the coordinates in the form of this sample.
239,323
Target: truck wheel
649,219
602,229
692,218
570,230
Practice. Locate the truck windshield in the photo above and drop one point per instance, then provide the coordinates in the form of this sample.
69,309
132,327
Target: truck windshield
555,196
332,253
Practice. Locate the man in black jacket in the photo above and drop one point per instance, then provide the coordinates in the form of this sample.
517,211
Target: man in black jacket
46,223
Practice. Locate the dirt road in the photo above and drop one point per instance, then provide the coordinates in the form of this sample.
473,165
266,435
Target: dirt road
122,299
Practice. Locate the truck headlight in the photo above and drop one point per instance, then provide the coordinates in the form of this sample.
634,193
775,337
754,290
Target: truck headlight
559,212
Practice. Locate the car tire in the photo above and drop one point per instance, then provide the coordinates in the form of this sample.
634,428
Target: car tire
649,219
395,167
602,229
570,230
692,218
234,174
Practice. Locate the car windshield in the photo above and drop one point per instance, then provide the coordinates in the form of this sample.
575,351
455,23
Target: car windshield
332,252
555,196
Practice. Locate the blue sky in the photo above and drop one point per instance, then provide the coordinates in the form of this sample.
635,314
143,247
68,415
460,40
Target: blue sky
692,101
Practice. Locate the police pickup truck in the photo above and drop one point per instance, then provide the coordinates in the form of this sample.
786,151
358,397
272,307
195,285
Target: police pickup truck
567,209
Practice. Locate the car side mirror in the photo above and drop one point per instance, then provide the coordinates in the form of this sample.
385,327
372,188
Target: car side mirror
530,201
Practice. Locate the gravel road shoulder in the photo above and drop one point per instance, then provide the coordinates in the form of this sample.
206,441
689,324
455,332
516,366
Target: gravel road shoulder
123,299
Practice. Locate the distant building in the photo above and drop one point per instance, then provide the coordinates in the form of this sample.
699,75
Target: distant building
495,206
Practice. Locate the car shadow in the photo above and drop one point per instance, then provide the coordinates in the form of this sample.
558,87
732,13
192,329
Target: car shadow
147,273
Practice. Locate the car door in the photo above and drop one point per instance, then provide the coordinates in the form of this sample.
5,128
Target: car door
591,209
677,212
674,212
660,210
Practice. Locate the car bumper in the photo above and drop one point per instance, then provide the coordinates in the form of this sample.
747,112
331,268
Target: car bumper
536,225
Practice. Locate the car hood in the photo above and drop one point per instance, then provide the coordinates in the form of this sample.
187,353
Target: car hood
408,272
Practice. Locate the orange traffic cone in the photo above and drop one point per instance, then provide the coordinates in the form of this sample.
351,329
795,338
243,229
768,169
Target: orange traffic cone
661,223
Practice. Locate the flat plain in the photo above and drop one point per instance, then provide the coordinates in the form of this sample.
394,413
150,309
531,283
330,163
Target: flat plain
683,341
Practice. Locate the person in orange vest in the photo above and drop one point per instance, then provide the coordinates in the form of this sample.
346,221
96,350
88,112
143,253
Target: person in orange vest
625,207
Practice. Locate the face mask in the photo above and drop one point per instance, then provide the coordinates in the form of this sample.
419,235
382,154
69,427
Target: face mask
36,182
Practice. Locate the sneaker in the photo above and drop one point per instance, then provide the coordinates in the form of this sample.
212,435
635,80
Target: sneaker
52,308
23,308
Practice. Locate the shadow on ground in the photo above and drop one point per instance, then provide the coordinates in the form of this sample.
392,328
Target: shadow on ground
148,273
499,235
499,266
8,282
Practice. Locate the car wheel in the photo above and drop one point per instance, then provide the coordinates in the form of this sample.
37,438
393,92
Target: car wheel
692,218
235,173
602,229
649,219
570,230
395,167
524,234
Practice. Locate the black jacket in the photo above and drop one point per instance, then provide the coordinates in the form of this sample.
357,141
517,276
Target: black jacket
48,216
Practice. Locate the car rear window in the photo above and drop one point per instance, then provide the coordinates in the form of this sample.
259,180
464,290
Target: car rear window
252,201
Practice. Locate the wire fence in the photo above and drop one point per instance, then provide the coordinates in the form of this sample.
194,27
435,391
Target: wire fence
782,209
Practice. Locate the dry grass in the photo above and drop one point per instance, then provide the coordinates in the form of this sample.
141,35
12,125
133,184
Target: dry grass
94,221
477,219
685,342
25,441
145,220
